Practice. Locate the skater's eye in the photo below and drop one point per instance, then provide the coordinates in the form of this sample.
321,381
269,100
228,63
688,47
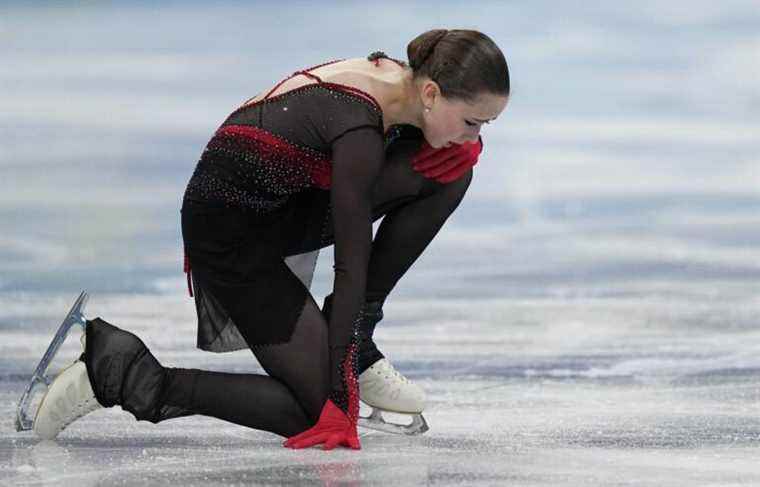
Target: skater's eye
477,121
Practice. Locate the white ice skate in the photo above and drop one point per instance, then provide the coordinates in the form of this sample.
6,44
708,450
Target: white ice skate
66,398
384,389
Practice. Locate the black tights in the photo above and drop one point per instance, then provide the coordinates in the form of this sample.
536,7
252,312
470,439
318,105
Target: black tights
415,208
286,402
290,398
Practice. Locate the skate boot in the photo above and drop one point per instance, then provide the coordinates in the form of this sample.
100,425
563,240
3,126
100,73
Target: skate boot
40,381
381,386
68,398
115,369
384,389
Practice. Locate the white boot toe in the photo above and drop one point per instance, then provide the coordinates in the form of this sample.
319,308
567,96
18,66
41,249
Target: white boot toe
68,398
383,387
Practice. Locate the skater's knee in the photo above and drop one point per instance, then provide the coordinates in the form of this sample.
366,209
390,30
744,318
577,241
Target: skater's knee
459,186
451,193
467,178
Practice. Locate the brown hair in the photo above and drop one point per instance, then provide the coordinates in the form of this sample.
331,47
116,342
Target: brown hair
464,63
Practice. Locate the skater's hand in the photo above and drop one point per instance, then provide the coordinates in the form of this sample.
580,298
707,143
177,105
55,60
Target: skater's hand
447,164
332,429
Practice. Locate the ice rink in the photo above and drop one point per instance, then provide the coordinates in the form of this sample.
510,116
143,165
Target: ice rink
588,316
535,391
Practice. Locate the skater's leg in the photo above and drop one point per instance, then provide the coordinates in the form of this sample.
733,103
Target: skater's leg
303,363
118,369
124,372
415,208
408,228
253,400
286,402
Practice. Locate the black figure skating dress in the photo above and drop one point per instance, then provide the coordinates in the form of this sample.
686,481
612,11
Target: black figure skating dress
284,176
281,178
261,193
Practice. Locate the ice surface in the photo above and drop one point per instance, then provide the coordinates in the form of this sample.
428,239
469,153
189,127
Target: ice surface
530,392
588,316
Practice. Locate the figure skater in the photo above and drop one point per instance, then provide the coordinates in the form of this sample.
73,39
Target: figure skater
311,163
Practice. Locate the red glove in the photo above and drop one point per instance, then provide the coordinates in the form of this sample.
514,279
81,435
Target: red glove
447,164
333,428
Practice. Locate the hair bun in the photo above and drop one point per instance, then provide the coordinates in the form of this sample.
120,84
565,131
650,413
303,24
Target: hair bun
463,63
421,48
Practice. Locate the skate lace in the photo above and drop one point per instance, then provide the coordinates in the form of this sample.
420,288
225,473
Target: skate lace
390,371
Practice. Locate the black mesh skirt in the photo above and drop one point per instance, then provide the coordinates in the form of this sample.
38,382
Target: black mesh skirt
251,272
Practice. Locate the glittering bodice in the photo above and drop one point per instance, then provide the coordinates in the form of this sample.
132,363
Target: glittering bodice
268,150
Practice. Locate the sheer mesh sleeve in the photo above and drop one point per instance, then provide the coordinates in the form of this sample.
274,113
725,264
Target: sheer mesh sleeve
342,113
358,155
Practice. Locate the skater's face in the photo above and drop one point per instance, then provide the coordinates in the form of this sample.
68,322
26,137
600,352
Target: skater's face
456,121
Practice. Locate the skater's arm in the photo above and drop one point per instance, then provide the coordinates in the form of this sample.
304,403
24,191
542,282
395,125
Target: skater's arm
357,156
357,159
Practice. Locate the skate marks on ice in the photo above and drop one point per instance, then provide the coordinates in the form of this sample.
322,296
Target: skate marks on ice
226,455
536,392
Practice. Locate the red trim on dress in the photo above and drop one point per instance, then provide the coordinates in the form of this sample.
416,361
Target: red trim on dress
189,280
320,169
304,72
350,90
318,166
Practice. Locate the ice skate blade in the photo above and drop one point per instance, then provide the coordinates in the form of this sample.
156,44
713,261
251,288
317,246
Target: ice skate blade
75,317
376,421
